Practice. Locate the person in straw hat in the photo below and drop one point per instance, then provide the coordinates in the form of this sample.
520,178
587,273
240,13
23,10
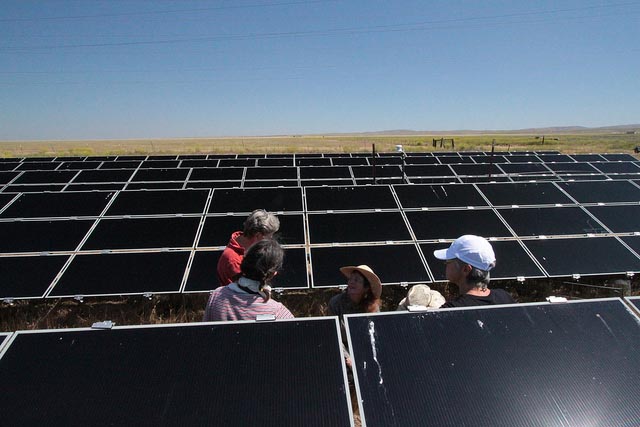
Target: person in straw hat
423,297
362,295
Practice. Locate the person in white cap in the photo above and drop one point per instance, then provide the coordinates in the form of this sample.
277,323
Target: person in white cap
468,260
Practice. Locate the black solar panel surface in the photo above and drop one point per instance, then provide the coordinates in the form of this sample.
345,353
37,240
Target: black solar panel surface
530,365
179,375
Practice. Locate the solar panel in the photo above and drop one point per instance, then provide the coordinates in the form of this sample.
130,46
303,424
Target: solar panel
40,177
159,164
120,165
450,160
450,224
555,158
325,172
425,196
28,276
108,175
155,185
392,263
619,219
3,339
349,198
158,202
34,188
248,200
635,301
5,199
6,177
380,171
602,191
524,158
272,173
57,205
357,227
94,187
216,174
571,167
429,170
42,166
537,193
621,167
530,365
218,229
143,233
276,162
76,165
122,273
160,175
583,256
512,261
477,169
587,157
633,242
178,374
203,277
619,157
549,221
42,236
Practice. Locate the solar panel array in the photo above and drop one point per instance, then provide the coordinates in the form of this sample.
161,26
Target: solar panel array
567,364
293,170
553,216
231,373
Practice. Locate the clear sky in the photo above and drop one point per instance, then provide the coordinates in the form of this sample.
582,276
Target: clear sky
79,69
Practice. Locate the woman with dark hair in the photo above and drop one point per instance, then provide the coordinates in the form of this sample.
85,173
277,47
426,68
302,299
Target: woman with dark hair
362,294
250,295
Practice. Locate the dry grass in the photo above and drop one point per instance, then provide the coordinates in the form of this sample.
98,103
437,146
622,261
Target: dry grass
569,143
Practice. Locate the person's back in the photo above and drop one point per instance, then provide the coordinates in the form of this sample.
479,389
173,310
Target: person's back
233,303
496,296
250,295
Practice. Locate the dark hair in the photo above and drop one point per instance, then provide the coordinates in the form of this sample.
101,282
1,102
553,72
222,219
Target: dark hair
479,278
369,303
261,262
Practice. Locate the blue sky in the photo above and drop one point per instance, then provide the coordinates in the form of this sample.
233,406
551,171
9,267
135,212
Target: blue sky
158,69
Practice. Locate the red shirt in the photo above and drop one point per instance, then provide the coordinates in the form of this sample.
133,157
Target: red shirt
230,260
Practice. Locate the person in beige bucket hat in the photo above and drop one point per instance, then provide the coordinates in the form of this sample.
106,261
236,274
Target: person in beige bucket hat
362,294
421,296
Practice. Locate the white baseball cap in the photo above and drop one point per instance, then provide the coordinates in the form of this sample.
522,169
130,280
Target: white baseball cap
474,250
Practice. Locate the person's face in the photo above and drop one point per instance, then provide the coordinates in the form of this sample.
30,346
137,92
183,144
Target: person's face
456,271
356,288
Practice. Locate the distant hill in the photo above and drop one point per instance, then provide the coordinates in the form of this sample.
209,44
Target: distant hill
535,131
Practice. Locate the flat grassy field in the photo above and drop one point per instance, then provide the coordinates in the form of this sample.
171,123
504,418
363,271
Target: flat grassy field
566,143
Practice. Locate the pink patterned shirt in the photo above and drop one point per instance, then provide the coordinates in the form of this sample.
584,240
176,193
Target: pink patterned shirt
232,303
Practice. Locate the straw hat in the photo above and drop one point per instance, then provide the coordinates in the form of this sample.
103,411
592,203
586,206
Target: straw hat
422,295
367,272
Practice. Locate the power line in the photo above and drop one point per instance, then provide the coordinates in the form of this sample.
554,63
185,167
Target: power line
165,12
411,26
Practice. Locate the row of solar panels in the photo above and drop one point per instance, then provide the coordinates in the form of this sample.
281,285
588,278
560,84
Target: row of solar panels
181,178
539,364
315,199
112,273
478,156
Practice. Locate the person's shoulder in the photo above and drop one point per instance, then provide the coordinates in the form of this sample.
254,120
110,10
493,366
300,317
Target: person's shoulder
501,296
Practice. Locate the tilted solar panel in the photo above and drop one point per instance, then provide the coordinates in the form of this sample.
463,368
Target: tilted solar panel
193,374
529,364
